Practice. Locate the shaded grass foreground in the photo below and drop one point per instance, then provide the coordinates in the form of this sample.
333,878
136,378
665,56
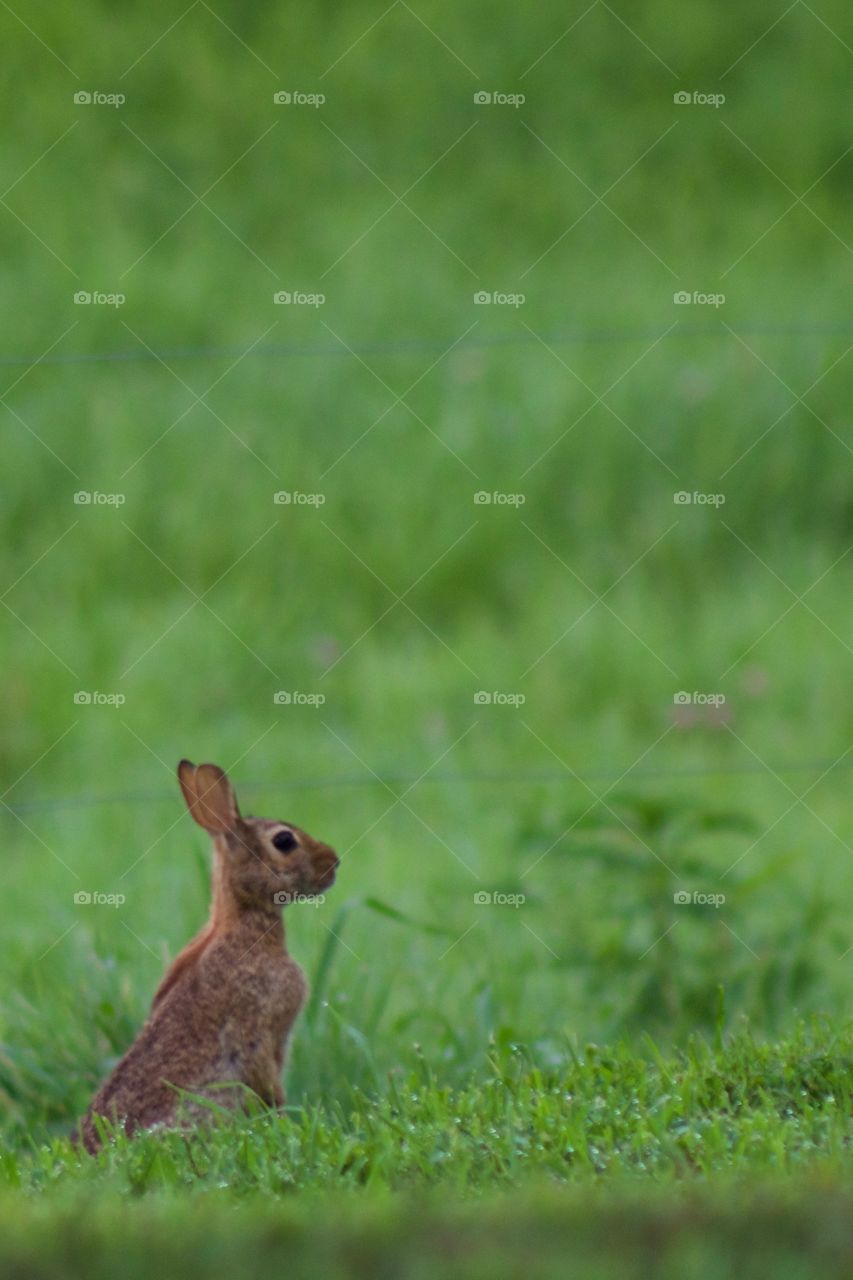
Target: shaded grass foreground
543,1231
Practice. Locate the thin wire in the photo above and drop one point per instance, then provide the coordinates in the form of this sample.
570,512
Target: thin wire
290,350
484,777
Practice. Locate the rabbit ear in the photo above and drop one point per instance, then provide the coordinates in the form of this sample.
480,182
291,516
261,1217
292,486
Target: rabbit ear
209,795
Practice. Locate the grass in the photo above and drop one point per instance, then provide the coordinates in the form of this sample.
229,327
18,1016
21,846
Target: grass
594,801
618,1112
803,1232
624,1136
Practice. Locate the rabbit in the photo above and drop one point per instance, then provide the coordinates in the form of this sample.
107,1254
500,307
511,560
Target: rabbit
225,1008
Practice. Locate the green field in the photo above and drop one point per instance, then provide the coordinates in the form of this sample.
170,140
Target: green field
588,957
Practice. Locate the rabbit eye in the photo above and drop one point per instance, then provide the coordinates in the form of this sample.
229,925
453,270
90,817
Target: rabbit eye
284,840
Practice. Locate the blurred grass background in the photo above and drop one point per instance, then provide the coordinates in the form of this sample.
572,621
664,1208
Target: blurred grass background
400,597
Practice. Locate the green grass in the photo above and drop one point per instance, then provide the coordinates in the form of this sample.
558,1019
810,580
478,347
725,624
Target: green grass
597,799
621,1135
800,1233
616,1112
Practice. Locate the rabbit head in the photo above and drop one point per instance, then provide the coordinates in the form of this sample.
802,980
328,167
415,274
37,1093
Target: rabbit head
261,863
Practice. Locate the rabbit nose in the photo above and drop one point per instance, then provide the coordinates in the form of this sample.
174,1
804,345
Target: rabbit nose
326,870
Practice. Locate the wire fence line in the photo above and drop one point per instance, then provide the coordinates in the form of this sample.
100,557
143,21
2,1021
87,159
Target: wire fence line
471,777
290,350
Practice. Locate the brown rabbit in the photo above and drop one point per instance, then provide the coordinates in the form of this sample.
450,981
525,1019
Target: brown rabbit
225,1008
